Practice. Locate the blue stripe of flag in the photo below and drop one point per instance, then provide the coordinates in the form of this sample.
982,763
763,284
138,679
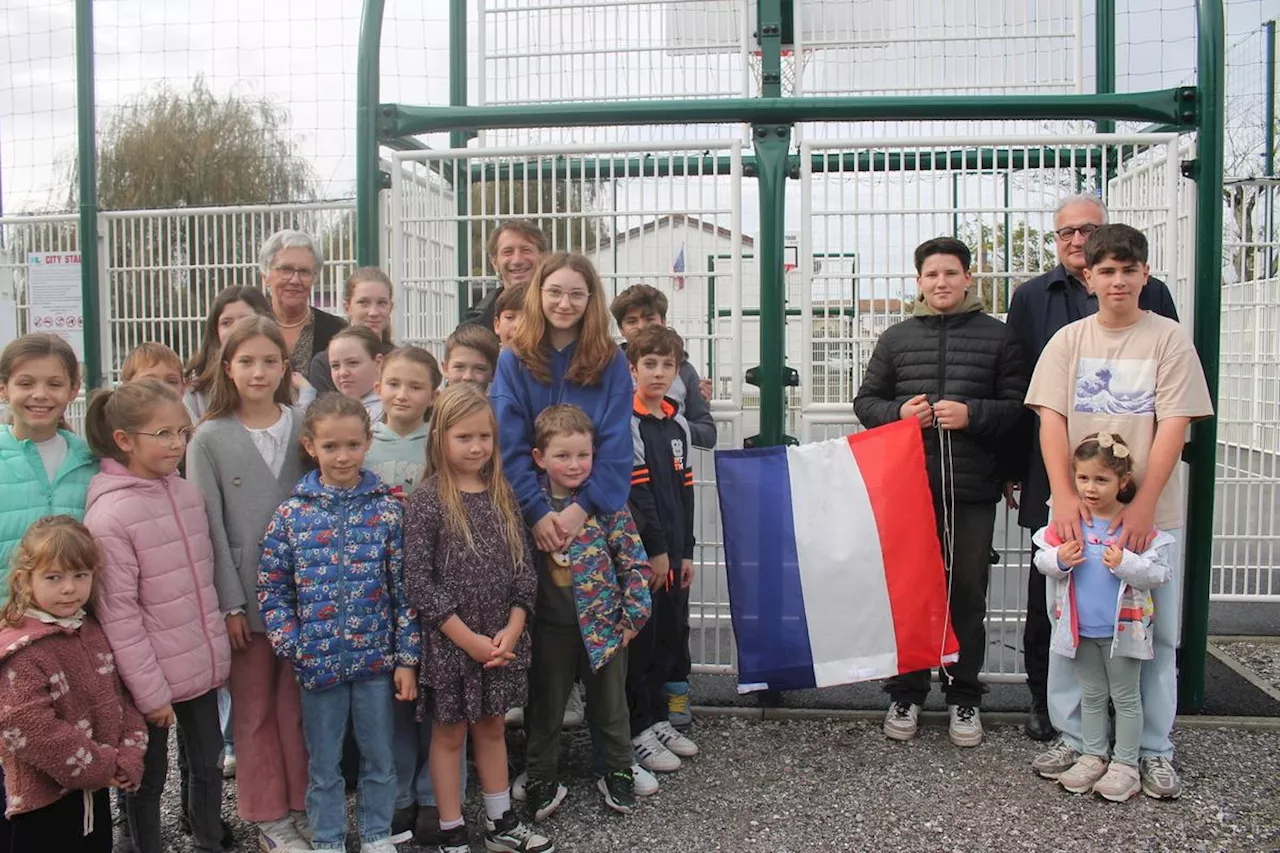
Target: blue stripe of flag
765,597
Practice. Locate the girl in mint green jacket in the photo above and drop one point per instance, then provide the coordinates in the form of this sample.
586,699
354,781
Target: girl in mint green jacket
44,467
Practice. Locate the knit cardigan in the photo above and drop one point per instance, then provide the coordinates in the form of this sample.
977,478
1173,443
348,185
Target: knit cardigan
240,496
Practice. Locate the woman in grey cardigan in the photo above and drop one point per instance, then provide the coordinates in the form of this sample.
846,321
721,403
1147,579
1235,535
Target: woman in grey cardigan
244,459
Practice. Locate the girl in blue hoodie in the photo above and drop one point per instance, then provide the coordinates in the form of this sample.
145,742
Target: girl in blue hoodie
407,386
563,353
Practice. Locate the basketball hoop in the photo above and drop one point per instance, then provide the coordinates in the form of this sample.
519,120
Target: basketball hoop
789,70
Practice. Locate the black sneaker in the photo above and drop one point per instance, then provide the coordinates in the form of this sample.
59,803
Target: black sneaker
227,841
544,797
403,822
228,837
508,834
455,840
426,831
619,790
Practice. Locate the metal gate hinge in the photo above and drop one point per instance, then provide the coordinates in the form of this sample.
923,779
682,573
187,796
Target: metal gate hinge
1191,169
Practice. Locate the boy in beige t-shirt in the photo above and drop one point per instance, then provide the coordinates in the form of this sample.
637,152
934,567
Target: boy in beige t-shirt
1136,374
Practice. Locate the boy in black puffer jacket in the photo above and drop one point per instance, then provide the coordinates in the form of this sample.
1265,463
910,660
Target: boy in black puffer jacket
960,373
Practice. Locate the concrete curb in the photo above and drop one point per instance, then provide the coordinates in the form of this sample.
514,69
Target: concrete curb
1242,670
999,718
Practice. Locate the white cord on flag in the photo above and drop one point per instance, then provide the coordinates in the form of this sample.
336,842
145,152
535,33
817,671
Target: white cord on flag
946,464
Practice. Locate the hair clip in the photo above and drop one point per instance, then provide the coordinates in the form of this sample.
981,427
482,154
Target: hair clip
1117,447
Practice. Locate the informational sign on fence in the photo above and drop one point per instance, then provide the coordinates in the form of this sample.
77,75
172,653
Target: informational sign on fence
53,296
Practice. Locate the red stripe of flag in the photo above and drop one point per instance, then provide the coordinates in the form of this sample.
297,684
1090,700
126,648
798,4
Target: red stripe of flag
891,461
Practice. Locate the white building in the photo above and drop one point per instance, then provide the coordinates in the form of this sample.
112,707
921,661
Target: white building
691,261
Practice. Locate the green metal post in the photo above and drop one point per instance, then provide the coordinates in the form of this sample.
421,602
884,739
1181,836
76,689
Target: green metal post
87,136
368,175
711,315
458,139
772,376
1105,63
1208,322
1269,108
1269,167
772,145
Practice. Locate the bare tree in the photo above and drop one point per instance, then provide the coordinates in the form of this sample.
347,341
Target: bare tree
172,150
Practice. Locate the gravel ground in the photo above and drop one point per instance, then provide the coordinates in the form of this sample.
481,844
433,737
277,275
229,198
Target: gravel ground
808,786
1262,658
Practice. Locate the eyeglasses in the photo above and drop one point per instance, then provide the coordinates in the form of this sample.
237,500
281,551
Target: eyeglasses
173,438
287,273
576,297
1069,233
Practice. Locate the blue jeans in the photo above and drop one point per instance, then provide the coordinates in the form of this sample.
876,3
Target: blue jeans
412,751
224,719
325,713
1159,680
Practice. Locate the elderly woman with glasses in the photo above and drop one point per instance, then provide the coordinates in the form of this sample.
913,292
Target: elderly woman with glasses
290,262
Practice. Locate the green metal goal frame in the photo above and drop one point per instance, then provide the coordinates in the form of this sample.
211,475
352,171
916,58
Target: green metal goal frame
772,117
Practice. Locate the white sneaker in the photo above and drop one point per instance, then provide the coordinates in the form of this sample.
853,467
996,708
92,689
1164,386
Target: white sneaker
653,756
575,709
966,726
515,718
644,782
301,824
229,765
383,846
902,722
673,740
280,836
517,787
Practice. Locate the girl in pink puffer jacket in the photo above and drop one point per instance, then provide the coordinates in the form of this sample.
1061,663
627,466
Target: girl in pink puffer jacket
157,602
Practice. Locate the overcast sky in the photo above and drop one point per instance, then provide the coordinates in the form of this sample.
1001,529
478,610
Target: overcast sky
302,55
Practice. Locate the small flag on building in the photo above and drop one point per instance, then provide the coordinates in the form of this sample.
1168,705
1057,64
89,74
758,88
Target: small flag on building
677,269
834,567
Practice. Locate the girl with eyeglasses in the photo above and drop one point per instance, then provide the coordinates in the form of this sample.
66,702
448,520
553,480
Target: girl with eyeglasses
156,598
563,353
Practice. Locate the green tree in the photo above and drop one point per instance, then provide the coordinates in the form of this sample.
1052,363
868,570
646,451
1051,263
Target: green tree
1001,264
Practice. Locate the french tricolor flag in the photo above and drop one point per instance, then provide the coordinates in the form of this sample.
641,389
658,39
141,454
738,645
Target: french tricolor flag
835,571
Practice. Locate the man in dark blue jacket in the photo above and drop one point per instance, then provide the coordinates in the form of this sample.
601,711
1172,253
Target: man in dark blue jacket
1039,308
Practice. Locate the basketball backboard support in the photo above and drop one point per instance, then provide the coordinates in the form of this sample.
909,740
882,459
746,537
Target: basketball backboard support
720,26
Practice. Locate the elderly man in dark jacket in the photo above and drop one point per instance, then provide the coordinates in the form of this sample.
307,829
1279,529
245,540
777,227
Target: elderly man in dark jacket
960,374
1040,307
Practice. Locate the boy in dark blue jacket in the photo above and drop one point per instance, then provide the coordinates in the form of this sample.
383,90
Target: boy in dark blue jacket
636,308
662,503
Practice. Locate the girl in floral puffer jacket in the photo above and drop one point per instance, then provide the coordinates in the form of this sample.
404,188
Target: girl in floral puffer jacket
331,593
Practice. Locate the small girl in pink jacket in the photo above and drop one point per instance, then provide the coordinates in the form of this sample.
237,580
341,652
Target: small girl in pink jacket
157,602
